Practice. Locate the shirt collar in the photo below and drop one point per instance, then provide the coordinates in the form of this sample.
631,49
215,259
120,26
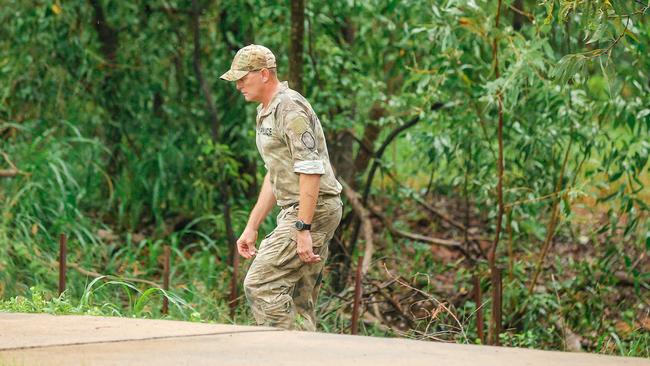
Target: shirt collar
274,101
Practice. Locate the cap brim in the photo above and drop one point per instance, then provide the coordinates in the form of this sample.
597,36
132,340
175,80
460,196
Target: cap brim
234,75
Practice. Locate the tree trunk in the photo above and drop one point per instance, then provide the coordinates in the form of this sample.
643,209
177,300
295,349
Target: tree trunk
517,16
296,46
224,191
109,41
196,62
344,164
495,320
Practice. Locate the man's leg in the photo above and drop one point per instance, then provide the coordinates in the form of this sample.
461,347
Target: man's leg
305,293
277,274
268,288
275,277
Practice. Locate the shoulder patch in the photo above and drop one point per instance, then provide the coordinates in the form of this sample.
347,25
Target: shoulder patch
308,140
298,125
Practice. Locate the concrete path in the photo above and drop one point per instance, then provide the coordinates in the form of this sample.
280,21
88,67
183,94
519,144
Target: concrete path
41,339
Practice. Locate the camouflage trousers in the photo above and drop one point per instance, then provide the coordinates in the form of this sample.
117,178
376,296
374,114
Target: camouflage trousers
281,290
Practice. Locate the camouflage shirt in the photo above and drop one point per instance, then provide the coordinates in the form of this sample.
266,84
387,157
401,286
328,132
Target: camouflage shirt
291,141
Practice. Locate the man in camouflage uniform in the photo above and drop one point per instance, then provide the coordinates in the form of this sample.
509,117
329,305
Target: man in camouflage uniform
283,281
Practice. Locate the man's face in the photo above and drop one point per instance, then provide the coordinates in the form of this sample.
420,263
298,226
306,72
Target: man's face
251,86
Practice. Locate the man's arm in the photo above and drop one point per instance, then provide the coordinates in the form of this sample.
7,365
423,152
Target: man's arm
265,202
309,187
299,133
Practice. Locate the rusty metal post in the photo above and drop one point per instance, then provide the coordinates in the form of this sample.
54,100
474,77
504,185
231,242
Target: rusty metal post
233,284
166,255
495,320
63,253
479,308
357,297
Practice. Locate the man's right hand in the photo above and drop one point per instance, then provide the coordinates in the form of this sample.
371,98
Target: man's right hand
246,243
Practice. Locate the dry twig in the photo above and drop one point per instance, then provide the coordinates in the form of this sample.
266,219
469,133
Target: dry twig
13,171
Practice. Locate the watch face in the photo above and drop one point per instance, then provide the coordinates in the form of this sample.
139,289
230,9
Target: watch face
299,225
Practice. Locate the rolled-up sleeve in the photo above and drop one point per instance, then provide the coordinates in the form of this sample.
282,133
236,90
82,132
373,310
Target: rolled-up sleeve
303,144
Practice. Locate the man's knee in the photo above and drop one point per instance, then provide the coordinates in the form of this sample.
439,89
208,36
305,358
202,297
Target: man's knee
279,312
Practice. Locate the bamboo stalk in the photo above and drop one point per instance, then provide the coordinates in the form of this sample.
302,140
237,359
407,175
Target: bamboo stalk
357,297
479,308
495,319
233,285
165,306
63,253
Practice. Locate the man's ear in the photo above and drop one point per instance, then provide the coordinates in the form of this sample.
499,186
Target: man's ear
266,75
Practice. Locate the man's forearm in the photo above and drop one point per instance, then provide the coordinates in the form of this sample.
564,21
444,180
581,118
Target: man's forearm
264,205
309,186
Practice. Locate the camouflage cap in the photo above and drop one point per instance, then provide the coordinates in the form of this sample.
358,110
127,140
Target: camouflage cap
250,58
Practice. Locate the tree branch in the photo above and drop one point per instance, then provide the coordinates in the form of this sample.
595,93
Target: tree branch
450,243
377,161
555,212
384,145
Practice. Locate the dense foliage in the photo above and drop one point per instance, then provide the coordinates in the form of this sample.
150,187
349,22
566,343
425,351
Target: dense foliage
124,138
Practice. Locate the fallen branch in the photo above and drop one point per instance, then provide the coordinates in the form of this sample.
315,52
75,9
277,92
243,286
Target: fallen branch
413,236
366,224
446,218
427,239
435,211
439,214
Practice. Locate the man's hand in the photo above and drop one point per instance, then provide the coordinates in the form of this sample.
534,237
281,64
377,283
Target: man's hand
246,243
305,247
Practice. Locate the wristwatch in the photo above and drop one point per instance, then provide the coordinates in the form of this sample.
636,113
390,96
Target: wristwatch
300,225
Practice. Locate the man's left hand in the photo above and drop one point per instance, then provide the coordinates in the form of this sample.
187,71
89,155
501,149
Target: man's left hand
305,247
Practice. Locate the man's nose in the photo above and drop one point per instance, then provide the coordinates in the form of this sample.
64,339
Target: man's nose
238,84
